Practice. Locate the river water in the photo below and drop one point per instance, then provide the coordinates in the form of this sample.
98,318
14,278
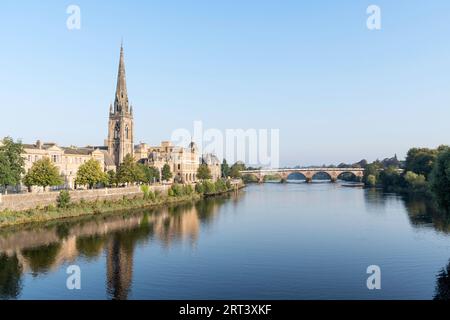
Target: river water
270,241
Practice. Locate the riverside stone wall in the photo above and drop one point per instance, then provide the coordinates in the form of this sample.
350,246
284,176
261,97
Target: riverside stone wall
25,201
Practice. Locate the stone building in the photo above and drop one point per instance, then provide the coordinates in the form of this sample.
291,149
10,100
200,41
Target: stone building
183,161
66,159
213,164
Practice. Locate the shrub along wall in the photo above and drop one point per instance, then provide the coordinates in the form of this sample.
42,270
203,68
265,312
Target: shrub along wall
25,201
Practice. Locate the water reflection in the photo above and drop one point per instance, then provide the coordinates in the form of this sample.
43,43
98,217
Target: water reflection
443,284
39,249
113,239
10,276
423,211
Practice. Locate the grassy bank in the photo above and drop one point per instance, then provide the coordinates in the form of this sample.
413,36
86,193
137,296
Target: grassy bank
177,194
10,218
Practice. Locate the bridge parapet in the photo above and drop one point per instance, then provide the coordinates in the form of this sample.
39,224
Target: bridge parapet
309,173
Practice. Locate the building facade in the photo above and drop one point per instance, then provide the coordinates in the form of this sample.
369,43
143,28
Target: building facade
66,159
183,162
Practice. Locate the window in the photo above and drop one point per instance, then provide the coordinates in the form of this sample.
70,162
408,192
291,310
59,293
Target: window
54,158
126,132
117,130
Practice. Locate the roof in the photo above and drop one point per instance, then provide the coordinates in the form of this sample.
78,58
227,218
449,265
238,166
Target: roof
108,159
78,151
210,159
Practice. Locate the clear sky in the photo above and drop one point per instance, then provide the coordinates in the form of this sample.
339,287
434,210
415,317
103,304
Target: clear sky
336,90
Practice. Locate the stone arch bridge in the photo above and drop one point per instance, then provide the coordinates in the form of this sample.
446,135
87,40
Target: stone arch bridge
308,173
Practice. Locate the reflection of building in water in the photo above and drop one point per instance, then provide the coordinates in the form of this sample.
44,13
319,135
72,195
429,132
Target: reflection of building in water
177,223
45,249
119,268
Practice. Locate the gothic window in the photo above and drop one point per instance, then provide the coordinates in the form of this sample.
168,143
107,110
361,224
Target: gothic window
117,131
126,132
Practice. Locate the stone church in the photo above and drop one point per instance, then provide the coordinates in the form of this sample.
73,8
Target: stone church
183,161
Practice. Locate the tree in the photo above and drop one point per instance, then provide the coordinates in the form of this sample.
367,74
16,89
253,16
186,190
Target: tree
91,173
11,162
416,182
235,171
390,178
440,178
372,169
150,174
154,174
371,180
225,169
129,171
112,178
203,172
63,199
420,160
166,174
43,173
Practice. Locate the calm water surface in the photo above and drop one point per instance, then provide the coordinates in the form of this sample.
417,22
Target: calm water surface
272,241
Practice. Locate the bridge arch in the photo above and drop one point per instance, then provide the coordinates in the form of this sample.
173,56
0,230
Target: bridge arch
295,176
323,176
348,176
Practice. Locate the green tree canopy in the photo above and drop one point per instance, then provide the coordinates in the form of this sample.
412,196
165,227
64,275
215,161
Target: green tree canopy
235,171
91,173
43,173
203,172
420,160
11,162
225,169
129,171
112,178
166,173
440,178
149,174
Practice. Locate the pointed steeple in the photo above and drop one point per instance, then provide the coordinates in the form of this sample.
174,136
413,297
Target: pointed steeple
121,101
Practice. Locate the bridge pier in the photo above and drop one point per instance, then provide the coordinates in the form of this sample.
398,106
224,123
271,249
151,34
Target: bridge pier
308,180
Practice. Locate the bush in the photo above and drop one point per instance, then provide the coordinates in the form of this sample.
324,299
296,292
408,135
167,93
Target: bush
177,189
188,190
417,182
63,199
209,187
220,186
148,194
371,180
228,184
249,178
199,188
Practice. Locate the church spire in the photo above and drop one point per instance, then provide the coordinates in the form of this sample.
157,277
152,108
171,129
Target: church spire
121,101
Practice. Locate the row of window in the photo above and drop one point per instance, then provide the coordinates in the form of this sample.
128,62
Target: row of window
56,159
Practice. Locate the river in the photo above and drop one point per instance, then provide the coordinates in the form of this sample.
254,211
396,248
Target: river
270,241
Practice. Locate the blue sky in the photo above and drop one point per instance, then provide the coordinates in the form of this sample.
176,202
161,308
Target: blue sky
336,90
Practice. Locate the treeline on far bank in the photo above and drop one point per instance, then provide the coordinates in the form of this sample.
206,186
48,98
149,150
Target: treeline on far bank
423,171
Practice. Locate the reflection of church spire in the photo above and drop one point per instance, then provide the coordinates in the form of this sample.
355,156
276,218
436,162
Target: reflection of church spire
119,267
